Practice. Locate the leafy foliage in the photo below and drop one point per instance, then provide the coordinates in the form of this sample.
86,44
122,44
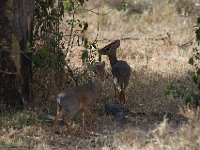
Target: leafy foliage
121,5
53,47
47,37
173,90
77,29
69,4
193,97
90,53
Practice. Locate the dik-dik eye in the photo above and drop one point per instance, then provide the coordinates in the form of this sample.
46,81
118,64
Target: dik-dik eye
106,50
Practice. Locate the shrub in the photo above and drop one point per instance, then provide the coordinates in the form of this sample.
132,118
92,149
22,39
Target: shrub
191,97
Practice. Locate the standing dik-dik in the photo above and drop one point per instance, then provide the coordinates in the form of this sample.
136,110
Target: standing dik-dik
121,71
72,100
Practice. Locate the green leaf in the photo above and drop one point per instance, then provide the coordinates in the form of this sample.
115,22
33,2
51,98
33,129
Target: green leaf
191,61
28,47
86,43
198,20
51,3
44,53
121,5
69,4
197,34
84,55
194,79
194,49
56,60
81,2
85,26
198,71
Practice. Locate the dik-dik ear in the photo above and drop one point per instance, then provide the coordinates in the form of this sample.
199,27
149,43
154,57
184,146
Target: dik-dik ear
115,44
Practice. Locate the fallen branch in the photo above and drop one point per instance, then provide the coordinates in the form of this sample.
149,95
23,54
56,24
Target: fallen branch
103,14
190,42
132,38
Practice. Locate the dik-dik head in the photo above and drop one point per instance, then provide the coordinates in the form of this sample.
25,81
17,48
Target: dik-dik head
110,49
98,69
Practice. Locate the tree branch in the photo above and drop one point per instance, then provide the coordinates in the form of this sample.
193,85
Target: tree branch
6,72
97,12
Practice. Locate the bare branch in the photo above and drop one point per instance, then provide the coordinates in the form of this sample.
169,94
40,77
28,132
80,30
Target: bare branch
85,10
6,72
190,42
71,30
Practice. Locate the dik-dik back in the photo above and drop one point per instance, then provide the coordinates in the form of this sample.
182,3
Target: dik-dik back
72,100
85,95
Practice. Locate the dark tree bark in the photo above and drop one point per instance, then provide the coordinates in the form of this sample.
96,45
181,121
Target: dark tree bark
16,27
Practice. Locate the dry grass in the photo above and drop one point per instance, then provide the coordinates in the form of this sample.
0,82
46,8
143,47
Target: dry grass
144,131
156,59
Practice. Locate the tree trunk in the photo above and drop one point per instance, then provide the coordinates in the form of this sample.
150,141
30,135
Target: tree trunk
16,26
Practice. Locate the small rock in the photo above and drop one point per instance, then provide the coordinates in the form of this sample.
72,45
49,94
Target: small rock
113,108
120,118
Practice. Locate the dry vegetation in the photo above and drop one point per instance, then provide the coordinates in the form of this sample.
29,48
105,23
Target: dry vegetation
153,44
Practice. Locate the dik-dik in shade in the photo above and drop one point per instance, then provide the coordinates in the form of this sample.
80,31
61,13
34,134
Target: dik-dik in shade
121,71
70,101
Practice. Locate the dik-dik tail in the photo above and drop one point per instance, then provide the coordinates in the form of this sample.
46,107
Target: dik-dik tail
58,100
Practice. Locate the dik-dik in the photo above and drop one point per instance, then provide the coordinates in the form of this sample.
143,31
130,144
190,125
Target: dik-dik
121,71
80,99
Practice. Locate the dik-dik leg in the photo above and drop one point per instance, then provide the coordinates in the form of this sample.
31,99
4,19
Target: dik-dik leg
83,122
116,88
58,116
87,112
118,91
69,117
122,98
91,117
